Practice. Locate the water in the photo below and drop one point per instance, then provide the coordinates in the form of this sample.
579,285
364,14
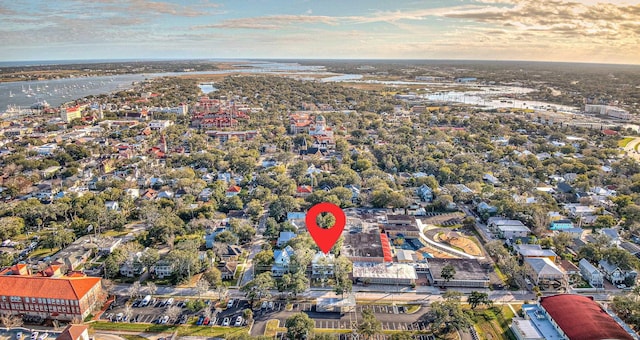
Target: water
59,91
207,88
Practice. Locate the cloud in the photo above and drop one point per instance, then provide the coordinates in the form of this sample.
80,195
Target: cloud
272,22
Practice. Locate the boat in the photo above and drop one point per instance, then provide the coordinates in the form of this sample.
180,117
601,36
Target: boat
10,94
34,335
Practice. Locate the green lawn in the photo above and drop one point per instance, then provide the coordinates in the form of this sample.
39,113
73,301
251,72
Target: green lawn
203,331
273,327
623,142
43,252
114,233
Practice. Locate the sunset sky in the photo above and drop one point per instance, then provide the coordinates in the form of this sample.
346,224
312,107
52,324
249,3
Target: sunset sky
605,31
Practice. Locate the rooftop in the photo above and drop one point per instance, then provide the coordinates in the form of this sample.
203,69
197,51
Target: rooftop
466,269
580,317
47,287
363,245
384,270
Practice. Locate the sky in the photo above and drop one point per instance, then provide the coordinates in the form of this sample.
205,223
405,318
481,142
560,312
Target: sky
602,31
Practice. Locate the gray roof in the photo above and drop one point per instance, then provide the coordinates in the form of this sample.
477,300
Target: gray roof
588,266
544,267
534,250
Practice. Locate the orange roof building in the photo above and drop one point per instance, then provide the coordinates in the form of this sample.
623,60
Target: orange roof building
74,332
62,298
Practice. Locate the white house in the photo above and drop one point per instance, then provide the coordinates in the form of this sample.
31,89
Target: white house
590,273
284,237
282,260
322,265
163,269
615,274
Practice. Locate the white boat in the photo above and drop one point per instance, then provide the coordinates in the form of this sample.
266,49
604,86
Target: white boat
10,94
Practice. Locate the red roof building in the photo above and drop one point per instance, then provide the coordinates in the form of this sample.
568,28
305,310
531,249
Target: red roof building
386,248
61,298
581,318
74,332
304,190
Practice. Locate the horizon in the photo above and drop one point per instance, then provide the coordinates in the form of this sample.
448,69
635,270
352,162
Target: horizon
587,31
34,62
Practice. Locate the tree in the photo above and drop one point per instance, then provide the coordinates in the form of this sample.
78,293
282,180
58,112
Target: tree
369,325
9,320
202,286
222,291
604,221
127,311
299,326
226,237
173,312
342,267
263,260
447,316
149,257
478,298
561,242
448,272
213,276
402,336
247,314
151,288
259,287
134,290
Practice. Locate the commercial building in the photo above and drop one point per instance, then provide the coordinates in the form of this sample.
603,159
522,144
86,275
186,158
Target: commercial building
570,317
384,273
468,273
55,297
336,305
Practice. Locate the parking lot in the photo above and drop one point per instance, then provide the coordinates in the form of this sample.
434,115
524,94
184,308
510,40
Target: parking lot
391,317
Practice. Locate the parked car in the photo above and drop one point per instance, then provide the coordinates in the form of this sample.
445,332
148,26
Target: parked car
270,305
206,321
263,305
119,317
164,319
239,321
226,322
230,303
200,320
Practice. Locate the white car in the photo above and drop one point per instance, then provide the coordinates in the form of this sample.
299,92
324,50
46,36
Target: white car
119,317
164,319
239,321
226,322
230,303
621,286
264,305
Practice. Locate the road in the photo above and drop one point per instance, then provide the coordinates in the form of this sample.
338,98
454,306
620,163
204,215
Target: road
256,247
630,148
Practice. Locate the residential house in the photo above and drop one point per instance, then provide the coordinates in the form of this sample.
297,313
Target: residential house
163,269
165,194
507,229
561,225
112,205
282,260
133,267
615,274
425,193
591,274
205,195
486,208
232,253
526,251
74,332
284,237
227,269
613,235
322,265
304,191
543,272
233,190
355,193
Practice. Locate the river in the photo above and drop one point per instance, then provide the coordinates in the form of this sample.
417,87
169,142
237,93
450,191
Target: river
59,91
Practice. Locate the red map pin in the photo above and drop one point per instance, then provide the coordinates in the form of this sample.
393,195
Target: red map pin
325,238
